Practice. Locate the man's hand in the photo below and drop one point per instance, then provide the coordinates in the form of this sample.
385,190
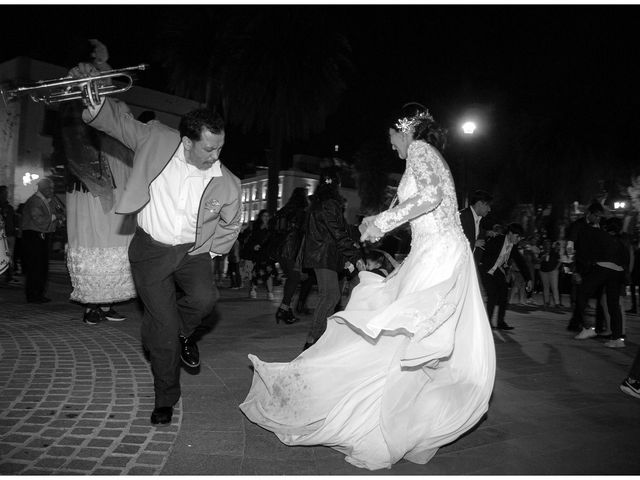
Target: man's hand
480,243
100,53
84,70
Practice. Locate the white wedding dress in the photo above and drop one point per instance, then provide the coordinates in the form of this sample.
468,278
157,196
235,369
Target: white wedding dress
409,365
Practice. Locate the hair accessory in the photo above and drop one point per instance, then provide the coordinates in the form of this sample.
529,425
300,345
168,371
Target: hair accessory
406,125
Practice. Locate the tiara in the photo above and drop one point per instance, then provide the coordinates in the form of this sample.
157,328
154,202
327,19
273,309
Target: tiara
406,125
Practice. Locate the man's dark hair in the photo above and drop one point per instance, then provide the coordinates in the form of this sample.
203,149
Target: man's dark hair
515,228
192,123
480,196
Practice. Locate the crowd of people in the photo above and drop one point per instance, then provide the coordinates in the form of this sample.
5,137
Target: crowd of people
399,358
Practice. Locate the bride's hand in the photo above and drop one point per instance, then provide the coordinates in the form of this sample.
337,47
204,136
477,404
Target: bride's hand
371,234
366,221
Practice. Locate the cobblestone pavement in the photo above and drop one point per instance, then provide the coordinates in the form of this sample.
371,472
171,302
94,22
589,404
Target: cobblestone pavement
75,400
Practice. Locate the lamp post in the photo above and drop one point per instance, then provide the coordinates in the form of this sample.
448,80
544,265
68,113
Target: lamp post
468,129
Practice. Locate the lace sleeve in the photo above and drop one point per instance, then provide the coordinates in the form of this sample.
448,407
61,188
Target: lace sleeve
422,165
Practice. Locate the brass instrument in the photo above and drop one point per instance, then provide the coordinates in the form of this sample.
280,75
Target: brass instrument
89,89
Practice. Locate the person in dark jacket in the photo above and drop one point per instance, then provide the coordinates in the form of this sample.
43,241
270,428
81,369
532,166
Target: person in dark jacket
256,250
327,246
470,217
585,238
498,252
606,273
289,220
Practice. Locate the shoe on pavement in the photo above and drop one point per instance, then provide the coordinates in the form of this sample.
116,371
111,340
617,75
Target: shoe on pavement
113,316
189,353
92,317
631,387
162,415
617,343
586,333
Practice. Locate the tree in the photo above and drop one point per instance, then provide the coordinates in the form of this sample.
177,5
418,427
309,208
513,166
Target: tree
196,49
373,162
286,79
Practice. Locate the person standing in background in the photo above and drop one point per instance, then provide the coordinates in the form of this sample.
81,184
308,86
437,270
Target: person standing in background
289,230
38,223
9,220
470,218
98,238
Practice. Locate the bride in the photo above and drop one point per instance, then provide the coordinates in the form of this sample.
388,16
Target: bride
409,365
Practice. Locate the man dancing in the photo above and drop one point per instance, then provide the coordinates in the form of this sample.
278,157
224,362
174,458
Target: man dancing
188,210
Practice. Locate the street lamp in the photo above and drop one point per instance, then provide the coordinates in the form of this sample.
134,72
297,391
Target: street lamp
468,129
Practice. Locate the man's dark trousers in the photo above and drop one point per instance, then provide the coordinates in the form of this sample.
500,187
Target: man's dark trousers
594,282
157,269
36,263
496,288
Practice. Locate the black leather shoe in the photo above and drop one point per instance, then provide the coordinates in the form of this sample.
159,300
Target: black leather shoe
162,415
189,352
504,326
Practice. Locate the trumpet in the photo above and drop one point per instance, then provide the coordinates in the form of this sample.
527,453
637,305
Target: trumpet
89,89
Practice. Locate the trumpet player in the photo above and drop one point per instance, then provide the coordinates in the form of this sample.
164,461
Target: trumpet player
98,167
188,208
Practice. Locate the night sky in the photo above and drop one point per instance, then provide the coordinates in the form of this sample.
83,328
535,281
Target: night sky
577,64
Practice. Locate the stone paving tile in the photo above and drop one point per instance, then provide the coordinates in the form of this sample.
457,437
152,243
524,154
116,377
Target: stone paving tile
76,397
555,410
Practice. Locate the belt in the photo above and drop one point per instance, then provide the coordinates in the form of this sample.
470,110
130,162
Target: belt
140,231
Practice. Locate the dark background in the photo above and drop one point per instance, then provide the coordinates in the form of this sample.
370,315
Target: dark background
554,87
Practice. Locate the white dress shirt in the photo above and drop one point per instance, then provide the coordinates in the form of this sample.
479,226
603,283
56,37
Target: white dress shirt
476,220
503,258
171,215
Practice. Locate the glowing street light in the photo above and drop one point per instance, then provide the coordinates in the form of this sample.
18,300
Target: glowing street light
468,128
28,178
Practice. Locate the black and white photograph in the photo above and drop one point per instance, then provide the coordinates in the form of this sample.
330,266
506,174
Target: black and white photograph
319,239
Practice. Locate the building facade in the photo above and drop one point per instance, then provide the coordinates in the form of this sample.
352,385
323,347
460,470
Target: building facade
254,193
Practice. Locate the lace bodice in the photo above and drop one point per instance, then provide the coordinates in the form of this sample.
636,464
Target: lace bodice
427,197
